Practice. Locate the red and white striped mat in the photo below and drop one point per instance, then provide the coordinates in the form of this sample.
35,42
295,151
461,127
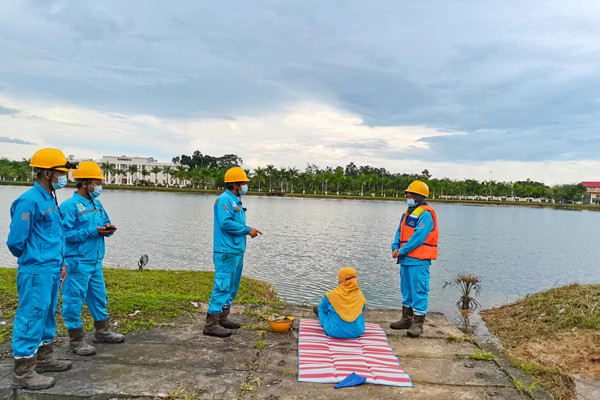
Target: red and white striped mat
324,359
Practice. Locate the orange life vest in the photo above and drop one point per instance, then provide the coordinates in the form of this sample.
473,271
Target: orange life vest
428,250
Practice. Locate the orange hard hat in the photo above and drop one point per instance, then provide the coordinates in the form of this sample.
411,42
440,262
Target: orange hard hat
51,159
88,170
236,174
418,187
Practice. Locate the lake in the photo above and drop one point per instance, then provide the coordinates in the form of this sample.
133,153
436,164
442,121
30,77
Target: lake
514,250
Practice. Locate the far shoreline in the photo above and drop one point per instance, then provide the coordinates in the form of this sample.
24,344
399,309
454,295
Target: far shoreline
494,203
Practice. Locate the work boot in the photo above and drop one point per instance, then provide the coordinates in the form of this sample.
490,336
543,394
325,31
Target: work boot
103,333
212,327
78,344
316,309
417,327
47,361
227,323
406,321
25,377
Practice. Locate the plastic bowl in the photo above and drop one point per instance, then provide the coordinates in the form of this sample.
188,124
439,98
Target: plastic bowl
281,326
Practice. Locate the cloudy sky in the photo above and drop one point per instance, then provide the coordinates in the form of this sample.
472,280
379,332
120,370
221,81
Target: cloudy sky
501,90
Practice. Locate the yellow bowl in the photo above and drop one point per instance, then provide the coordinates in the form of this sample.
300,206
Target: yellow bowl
281,326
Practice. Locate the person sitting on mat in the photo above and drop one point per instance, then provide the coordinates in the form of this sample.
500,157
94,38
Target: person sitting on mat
340,311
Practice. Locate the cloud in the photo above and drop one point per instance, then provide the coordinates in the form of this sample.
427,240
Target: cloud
7,111
9,140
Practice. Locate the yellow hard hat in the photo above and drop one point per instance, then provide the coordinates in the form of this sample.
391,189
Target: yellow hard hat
51,159
236,174
418,187
88,170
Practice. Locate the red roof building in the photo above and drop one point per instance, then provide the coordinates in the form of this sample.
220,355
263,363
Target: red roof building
593,190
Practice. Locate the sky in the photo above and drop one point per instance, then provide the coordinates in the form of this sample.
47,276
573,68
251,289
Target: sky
488,90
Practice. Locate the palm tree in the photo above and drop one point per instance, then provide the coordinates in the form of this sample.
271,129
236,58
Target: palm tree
145,173
118,173
132,169
106,167
338,176
270,170
282,178
167,169
180,173
260,175
293,174
155,170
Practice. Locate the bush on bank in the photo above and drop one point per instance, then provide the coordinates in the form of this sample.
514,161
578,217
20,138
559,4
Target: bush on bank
142,298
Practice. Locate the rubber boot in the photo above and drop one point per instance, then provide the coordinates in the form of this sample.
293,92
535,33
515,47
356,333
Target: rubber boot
406,321
78,344
25,377
212,328
316,309
103,333
417,328
227,323
47,361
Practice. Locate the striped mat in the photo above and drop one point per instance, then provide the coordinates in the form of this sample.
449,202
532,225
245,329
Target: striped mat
324,359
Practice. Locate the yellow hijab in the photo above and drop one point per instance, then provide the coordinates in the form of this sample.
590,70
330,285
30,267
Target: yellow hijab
347,299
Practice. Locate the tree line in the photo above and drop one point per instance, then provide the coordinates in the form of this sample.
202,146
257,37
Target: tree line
204,171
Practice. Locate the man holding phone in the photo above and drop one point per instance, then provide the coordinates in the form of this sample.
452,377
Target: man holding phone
86,224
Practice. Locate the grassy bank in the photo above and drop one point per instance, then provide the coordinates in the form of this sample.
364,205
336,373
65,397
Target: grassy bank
574,207
143,298
552,334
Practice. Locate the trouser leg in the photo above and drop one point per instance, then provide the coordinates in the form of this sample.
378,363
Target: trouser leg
420,289
34,322
96,299
226,282
236,278
74,292
405,286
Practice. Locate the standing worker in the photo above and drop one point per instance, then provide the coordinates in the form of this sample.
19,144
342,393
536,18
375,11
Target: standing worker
86,224
36,237
229,245
415,245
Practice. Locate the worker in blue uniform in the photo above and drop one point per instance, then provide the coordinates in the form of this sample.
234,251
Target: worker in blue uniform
415,245
229,245
340,311
36,237
86,224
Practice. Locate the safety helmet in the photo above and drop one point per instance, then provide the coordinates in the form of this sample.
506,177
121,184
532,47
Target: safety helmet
236,174
51,159
88,170
418,187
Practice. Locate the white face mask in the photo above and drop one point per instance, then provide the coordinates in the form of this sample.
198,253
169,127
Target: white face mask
97,192
243,190
410,202
62,182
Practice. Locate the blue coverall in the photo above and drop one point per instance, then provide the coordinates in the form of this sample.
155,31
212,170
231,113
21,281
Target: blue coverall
84,253
36,237
229,245
335,326
414,272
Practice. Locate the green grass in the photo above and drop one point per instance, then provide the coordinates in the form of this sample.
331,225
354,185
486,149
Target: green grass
160,296
482,355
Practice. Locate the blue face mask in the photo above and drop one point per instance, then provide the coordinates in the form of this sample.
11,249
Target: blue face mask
410,202
243,190
62,182
97,192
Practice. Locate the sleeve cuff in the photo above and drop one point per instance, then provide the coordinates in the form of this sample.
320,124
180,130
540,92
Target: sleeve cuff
247,230
93,231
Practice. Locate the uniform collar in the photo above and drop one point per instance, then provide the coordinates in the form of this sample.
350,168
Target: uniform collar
41,189
237,199
81,198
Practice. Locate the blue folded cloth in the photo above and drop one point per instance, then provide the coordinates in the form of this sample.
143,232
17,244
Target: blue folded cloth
351,380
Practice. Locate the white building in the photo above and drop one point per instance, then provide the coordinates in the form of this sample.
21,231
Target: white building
124,163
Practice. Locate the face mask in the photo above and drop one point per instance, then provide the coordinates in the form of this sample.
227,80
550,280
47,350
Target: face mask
243,190
97,192
410,202
62,182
